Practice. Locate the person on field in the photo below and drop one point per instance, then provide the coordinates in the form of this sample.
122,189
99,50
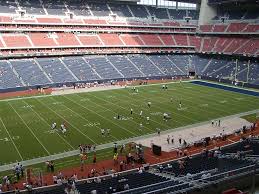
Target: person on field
54,125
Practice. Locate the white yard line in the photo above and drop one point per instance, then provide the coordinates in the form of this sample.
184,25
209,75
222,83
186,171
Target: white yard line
102,116
110,145
69,123
29,129
19,153
83,117
129,110
48,125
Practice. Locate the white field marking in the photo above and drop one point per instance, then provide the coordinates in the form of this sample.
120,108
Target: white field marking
163,109
190,94
156,113
49,126
84,119
28,106
230,93
204,105
11,139
223,101
56,103
124,109
85,99
239,99
109,145
68,122
30,129
183,108
75,92
100,115
92,124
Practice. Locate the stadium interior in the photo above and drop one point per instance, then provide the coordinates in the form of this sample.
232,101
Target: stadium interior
47,44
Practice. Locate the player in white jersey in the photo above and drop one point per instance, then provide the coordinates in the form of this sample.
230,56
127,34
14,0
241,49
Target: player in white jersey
63,128
54,125
148,119
141,113
102,132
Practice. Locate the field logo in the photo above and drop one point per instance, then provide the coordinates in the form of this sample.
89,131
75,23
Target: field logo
6,139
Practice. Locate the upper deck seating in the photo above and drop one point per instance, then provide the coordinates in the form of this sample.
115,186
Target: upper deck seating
177,14
56,7
8,6
99,9
78,7
160,13
139,11
32,6
120,9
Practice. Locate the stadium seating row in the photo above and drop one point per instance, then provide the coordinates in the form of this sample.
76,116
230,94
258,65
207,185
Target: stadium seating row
90,9
232,27
228,45
44,71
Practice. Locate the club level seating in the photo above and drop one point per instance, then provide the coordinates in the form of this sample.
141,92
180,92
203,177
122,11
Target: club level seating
150,39
232,27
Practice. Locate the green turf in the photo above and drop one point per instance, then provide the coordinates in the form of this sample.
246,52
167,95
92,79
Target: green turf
27,121
251,118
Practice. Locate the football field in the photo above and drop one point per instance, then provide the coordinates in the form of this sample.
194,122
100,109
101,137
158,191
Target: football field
25,124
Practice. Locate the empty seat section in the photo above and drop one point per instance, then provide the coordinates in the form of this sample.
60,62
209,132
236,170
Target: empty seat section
195,41
219,28
199,63
13,40
235,44
145,65
78,7
160,13
123,64
181,61
165,65
181,39
88,39
131,39
177,14
80,68
7,77
32,7
110,39
8,6
99,9
139,11
167,39
56,70
56,7
120,9
236,27
194,14
150,39
30,72
250,47
103,67
208,44
42,39
66,39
